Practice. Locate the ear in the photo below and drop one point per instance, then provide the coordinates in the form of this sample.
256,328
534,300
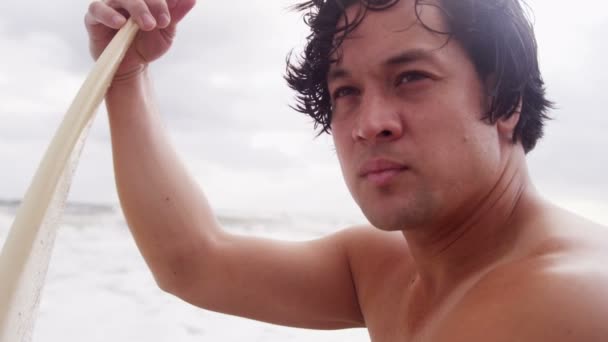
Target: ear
506,126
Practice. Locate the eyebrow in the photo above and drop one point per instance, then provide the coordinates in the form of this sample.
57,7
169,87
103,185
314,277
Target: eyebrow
406,57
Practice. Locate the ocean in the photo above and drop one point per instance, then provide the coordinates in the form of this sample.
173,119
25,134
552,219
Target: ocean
99,289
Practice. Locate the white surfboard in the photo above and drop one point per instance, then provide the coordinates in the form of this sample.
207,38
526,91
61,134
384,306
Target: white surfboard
27,250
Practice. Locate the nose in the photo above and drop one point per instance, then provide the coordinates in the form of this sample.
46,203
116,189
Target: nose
379,120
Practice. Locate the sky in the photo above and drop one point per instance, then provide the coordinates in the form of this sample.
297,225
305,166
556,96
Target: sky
226,106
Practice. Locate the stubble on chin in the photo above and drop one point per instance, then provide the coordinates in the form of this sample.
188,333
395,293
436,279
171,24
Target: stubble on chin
409,211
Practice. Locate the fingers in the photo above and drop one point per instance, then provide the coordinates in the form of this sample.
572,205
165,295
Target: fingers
179,9
160,10
172,3
148,14
138,9
101,13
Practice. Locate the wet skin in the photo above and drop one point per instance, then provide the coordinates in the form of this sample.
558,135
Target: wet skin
475,253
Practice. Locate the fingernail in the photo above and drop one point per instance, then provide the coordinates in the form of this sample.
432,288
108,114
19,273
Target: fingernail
148,21
164,20
118,20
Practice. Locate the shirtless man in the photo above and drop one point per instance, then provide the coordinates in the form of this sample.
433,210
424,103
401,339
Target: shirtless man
432,135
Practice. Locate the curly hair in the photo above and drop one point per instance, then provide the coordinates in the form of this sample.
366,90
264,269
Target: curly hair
496,34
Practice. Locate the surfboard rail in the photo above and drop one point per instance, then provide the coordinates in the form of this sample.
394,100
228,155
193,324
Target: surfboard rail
26,253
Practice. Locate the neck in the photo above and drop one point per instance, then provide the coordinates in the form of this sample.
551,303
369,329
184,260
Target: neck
478,236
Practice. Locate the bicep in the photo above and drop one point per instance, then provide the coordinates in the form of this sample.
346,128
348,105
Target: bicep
303,284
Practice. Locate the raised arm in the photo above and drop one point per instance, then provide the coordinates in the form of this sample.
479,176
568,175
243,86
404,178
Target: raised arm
305,284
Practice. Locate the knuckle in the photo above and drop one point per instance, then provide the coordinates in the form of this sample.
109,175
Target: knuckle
139,3
112,3
158,7
94,7
140,6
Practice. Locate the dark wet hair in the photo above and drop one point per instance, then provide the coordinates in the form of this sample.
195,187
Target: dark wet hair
496,34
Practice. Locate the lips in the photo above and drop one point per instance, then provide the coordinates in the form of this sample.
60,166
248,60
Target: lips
381,171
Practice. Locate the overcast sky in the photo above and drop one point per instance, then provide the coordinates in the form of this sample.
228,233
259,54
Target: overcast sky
227,107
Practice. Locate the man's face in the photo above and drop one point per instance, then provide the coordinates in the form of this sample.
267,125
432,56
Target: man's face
406,123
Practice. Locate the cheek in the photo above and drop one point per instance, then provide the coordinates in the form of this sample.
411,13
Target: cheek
343,146
455,144
470,161
453,127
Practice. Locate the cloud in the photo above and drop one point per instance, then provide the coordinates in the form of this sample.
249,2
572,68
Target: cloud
570,162
61,18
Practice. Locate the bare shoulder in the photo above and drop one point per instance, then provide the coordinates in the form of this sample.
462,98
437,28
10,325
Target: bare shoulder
558,293
381,268
370,248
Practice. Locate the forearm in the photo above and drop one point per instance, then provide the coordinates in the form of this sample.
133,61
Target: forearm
166,211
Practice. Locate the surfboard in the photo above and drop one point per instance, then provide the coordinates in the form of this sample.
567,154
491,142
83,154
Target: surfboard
26,253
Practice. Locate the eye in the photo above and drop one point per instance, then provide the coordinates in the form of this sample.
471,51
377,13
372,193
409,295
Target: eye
409,77
344,91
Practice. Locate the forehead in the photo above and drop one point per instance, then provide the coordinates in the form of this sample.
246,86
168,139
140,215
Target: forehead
404,26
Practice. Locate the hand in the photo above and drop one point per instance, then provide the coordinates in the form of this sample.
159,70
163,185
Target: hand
157,20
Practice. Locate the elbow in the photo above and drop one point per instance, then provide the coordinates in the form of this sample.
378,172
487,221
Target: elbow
172,275
181,273
168,284
182,283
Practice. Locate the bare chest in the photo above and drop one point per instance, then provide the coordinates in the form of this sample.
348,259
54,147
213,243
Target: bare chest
392,322
433,327
410,317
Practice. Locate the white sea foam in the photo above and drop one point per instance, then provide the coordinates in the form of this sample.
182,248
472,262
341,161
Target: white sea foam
99,288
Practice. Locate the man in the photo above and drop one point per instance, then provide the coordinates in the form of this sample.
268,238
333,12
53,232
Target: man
432,107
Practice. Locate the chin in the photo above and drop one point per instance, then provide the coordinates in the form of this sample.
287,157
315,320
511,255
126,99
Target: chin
394,220
393,214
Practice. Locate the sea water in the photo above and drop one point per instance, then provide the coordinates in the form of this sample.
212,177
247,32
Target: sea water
99,288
